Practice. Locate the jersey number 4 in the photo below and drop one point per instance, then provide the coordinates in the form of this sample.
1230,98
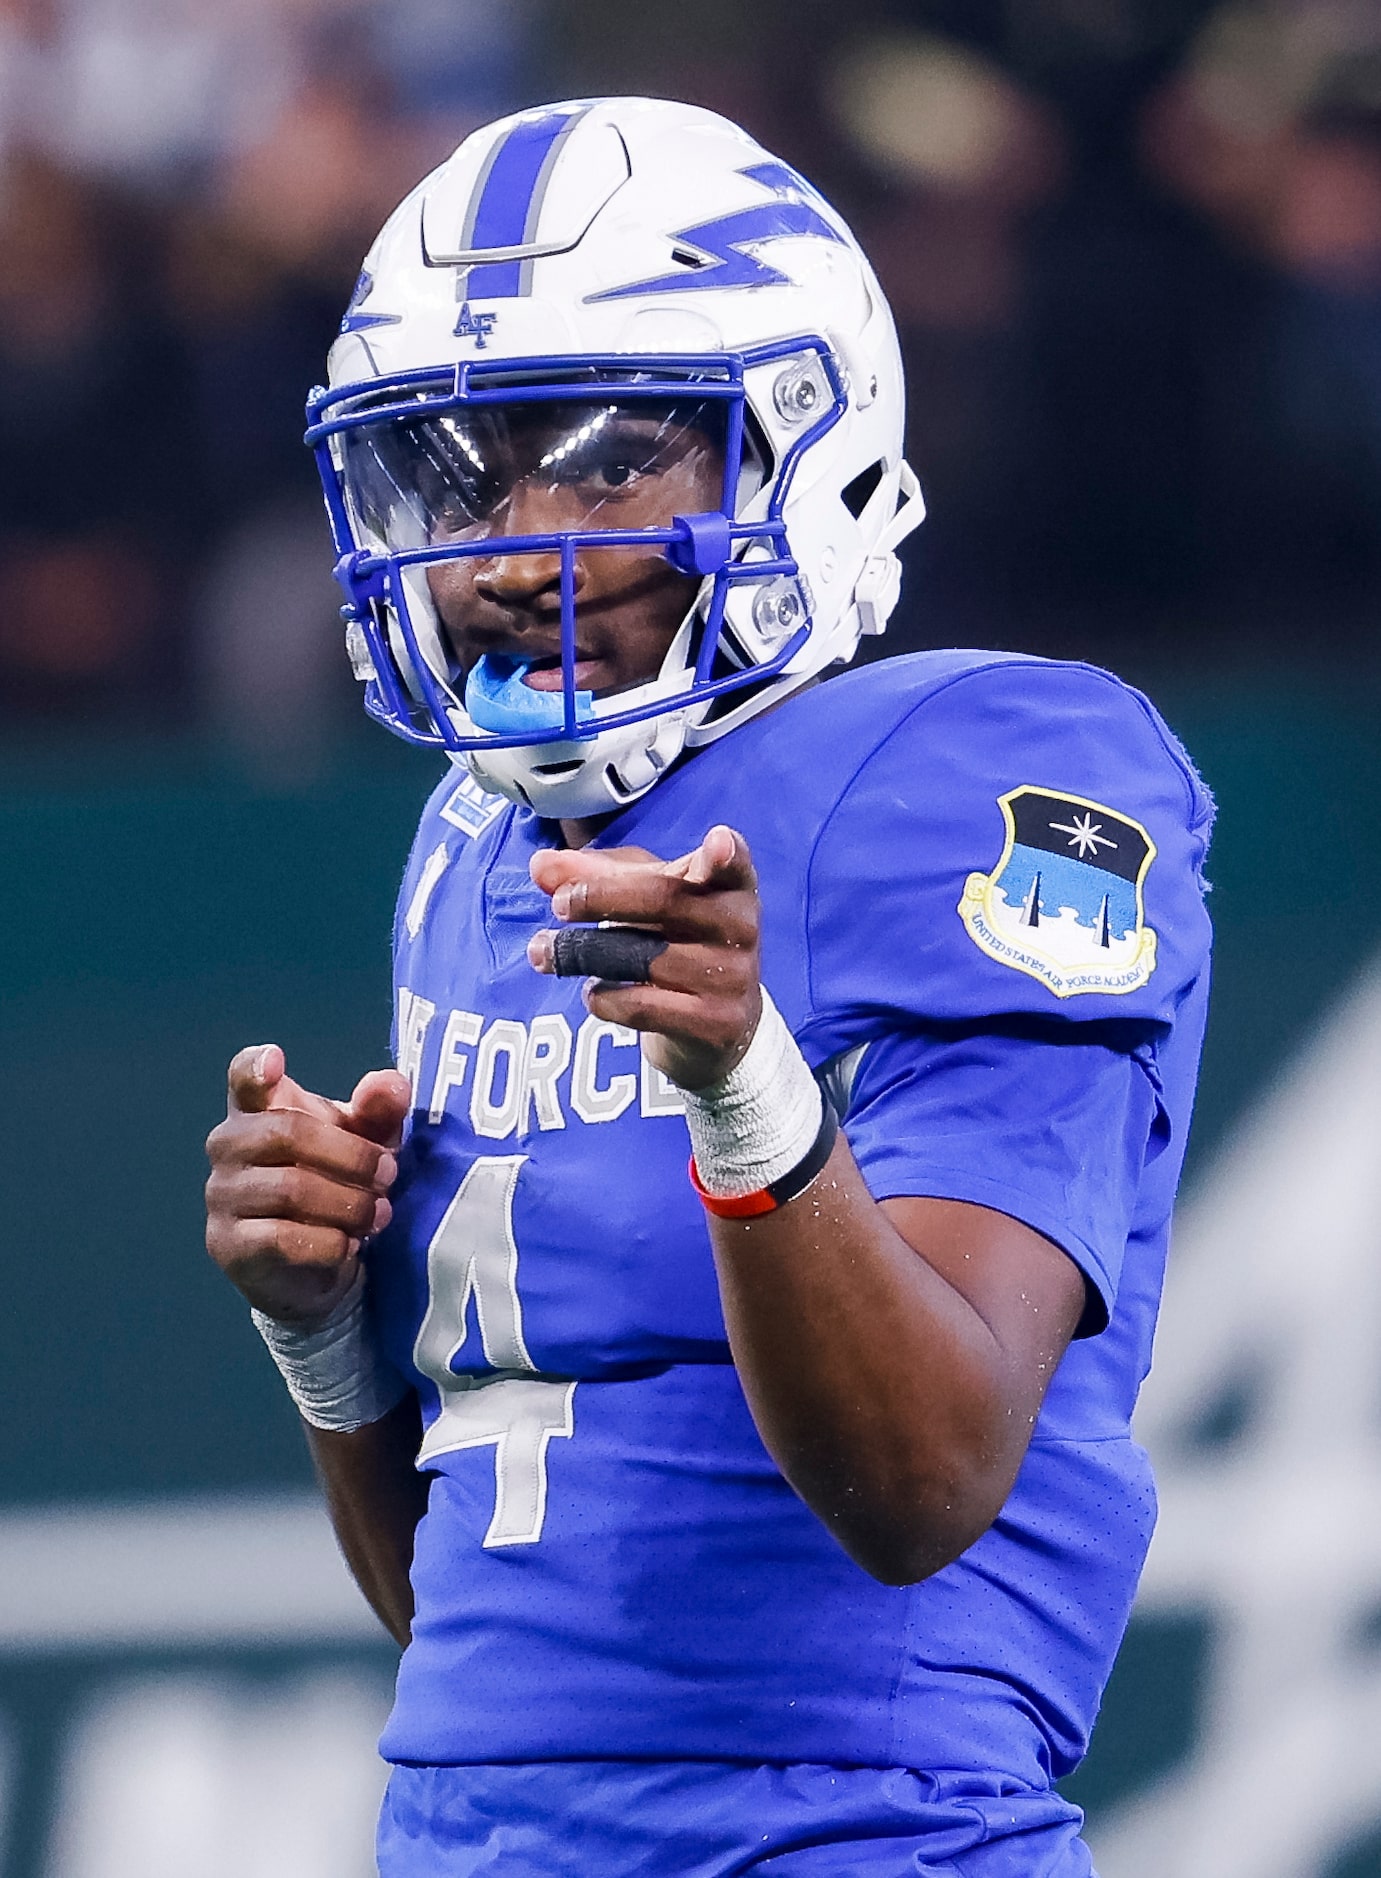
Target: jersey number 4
516,1411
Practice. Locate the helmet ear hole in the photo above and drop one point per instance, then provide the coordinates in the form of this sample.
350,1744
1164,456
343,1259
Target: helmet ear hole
859,493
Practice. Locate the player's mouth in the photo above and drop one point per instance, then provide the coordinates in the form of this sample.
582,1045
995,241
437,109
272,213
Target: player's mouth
512,692
544,674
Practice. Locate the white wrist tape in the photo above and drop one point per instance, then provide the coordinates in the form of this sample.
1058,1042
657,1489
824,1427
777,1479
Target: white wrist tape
334,1372
761,1120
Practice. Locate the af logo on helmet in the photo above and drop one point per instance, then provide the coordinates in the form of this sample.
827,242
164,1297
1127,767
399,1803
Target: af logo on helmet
476,326
1064,902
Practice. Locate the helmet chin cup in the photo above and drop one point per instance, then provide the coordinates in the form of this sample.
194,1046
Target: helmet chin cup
574,782
789,341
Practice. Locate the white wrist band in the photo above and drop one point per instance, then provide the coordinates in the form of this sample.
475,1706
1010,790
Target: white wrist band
762,1120
334,1372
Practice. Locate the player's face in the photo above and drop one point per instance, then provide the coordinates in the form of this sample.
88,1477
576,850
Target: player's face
497,474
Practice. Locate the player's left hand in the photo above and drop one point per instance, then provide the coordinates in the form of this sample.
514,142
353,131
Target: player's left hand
701,1005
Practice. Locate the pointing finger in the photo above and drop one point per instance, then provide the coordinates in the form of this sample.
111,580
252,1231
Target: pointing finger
553,868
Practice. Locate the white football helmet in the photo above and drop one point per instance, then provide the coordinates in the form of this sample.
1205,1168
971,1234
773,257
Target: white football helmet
598,258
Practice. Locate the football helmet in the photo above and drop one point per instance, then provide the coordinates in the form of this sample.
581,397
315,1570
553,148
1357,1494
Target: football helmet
614,302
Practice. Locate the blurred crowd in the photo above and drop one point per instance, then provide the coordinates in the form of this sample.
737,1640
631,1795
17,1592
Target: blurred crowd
1134,248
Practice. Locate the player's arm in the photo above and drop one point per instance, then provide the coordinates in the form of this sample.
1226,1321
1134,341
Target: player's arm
894,1355
376,1497
897,1393
297,1184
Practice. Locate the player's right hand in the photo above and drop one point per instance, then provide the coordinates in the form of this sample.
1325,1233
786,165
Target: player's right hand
299,1182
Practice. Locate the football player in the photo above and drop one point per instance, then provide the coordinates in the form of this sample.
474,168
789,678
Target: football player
718,1336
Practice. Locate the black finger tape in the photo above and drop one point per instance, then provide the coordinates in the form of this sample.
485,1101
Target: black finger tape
621,953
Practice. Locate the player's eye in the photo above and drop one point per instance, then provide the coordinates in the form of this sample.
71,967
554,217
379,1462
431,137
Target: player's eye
612,472
617,463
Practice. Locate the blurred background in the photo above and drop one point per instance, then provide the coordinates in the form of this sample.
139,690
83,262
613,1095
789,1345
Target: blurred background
1134,249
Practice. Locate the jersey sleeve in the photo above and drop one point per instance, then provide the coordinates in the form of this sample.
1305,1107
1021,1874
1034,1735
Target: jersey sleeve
1053,1129
1006,916
1028,840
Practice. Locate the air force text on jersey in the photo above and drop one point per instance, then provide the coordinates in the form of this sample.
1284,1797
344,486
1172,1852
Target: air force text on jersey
511,1075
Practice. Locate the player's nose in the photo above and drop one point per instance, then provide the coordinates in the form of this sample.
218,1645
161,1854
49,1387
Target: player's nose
516,576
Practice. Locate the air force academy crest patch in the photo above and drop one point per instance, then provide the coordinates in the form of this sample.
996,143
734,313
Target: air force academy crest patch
1064,902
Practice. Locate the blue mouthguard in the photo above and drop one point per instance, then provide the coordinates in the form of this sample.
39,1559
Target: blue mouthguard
497,699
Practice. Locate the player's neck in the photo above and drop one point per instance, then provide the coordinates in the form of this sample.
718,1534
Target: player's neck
580,834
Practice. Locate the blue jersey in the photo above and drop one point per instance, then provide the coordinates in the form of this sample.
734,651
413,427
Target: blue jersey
983,920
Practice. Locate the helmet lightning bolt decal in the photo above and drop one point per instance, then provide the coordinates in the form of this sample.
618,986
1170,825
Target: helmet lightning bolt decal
357,322
723,242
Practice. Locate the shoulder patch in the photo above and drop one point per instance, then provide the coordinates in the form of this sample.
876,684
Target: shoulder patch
1064,902
471,809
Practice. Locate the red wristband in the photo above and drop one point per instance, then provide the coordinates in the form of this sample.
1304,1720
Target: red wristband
795,1181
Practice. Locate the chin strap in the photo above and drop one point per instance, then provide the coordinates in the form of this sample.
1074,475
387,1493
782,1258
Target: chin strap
879,585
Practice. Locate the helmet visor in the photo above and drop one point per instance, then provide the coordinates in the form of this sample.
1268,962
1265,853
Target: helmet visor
527,468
